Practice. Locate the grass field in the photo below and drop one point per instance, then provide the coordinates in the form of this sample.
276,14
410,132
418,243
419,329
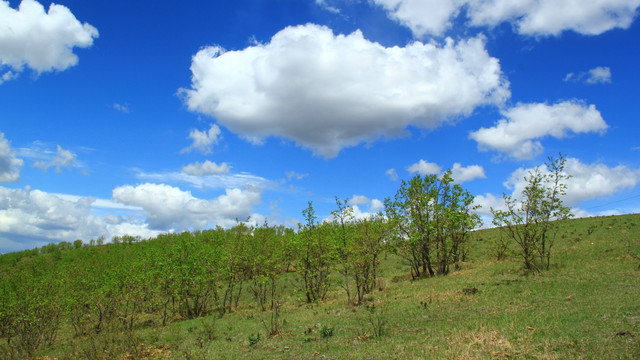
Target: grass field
586,307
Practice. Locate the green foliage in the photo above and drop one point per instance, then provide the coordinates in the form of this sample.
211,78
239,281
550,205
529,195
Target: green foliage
314,256
533,221
165,297
254,339
431,218
326,331
376,319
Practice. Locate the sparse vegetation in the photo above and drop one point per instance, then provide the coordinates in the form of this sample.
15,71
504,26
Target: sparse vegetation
533,221
240,293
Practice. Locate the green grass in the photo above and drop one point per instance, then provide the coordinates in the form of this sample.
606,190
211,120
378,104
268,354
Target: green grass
586,307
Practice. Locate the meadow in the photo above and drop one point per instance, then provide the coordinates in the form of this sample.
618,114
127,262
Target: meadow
587,306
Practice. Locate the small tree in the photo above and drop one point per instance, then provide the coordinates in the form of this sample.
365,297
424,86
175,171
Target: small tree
533,221
343,227
314,256
430,219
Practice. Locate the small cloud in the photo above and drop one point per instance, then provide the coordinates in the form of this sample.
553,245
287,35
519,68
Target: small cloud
597,75
203,140
9,75
392,174
461,174
295,175
424,168
569,77
359,200
519,133
63,159
122,108
324,4
376,205
205,168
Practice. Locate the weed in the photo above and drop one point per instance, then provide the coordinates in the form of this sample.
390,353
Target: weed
254,339
377,318
326,331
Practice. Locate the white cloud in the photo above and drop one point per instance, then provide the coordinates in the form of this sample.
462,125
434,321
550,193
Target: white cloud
488,202
325,5
376,205
597,75
63,159
328,92
424,168
552,17
529,17
588,181
9,75
295,175
98,203
423,16
215,181
359,200
392,174
203,140
10,164
518,132
42,41
461,174
206,168
169,208
122,108
31,218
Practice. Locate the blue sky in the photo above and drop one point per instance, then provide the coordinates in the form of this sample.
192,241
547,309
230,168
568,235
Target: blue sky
135,117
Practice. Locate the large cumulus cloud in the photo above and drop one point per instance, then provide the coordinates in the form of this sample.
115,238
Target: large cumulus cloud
327,92
31,218
170,208
42,41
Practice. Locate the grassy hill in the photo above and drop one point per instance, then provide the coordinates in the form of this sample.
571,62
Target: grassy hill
586,307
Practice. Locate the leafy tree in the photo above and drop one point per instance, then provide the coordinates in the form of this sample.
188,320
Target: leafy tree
431,217
369,239
533,221
343,227
452,221
314,256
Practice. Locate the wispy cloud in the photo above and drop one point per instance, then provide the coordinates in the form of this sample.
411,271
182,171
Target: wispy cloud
598,75
63,159
392,174
122,108
295,175
325,5
215,181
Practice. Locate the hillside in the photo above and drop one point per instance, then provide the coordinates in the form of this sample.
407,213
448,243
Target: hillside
586,306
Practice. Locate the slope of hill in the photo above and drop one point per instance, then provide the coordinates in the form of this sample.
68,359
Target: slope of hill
587,306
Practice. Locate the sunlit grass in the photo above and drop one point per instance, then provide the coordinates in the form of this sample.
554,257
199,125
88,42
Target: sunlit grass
587,306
